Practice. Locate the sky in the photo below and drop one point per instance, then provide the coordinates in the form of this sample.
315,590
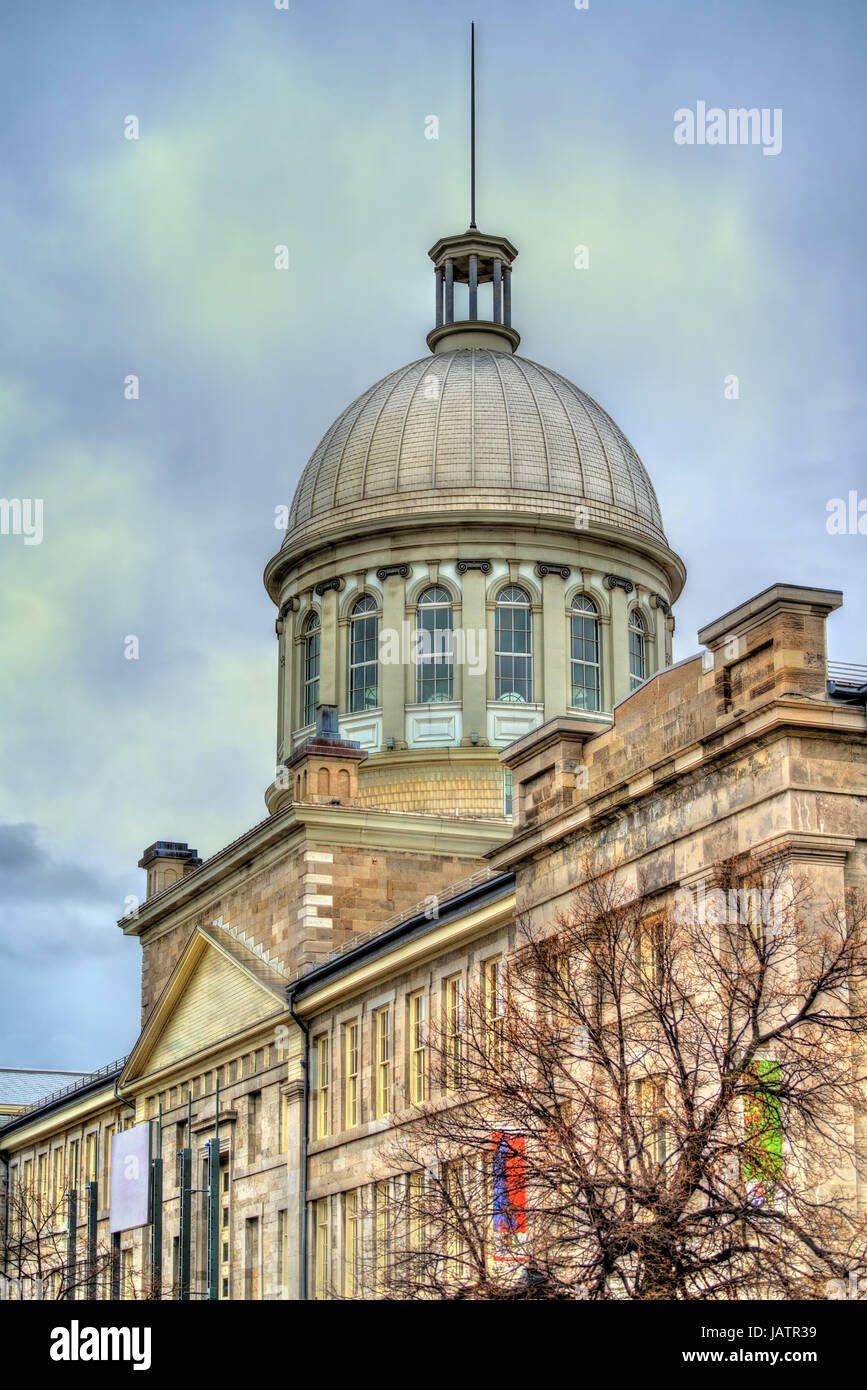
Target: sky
154,258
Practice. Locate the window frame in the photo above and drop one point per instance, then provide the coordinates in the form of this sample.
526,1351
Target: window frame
430,669
585,610
507,688
312,653
365,610
637,629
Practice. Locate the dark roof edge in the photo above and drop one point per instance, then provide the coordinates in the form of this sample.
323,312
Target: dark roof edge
477,896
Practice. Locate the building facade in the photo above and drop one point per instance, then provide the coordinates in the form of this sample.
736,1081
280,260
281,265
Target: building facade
474,619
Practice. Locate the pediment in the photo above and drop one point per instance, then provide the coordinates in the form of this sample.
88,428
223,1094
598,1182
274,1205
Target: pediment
218,988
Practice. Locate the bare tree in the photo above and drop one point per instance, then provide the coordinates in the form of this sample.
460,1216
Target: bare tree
655,1101
35,1250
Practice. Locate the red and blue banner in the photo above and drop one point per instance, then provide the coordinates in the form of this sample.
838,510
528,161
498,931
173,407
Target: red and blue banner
509,1194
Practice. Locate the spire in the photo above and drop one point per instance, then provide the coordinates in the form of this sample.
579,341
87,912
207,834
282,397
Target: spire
475,260
472,127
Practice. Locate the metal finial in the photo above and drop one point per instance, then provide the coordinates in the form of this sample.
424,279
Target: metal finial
472,124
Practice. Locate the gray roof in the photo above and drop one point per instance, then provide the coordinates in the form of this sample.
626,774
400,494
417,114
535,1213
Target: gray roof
479,426
21,1086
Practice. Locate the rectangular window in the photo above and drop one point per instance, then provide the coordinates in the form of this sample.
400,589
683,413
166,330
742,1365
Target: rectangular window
90,1157
454,1031
351,1244
254,1111
650,952
415,1209
320,1234
42,1180
350,1064
283,1125
107,1136
652,1113
251,1258
225,1230
494,1002
507,793
282,1250
382,1236
417,1047
382,1032
57,1181
321,1087
126,1284
72,1163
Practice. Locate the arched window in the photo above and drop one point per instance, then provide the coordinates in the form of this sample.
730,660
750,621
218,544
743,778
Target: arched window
434,681
363,667
513,645
637,650
312,647
586,675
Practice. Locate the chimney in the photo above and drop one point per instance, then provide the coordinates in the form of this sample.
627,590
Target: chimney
325,766
166,862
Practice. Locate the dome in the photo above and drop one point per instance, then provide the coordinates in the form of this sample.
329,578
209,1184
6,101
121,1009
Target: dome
474,430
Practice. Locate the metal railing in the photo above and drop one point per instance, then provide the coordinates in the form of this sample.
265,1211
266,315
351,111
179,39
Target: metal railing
109,1069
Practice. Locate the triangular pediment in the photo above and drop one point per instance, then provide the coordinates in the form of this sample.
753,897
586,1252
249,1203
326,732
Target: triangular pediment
218,988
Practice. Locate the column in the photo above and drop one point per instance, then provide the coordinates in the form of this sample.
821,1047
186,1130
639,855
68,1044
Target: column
507,295
475,682
660,657
328,693
392,674
498,290
552,642
474,287
438,275
619,644
450,290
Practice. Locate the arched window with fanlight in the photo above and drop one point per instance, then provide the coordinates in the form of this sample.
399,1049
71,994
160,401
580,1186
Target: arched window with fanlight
363,665
434,679
513,645
637,650
586,671
312,651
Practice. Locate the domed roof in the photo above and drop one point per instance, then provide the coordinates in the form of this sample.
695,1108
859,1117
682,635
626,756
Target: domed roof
479,430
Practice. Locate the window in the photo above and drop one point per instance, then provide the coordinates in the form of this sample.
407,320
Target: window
251,1258
507,792
321,1087
254,1115
350,1064
351,1244
312,647
651,1106
454,1031
382,1030
417,1047
126,1283
586,680
320,1248
283,1124
637,650
225,1231
513,660
382,1236
363,668
494,1008
434,681
108,1135
415,1209
42,1180
282,1249
651,952
90,1157
72,1168
57,1182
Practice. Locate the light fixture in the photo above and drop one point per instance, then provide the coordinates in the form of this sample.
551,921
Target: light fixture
474,739
389,743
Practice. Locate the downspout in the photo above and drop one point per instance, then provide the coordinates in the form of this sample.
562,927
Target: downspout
305,1122
122,1099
